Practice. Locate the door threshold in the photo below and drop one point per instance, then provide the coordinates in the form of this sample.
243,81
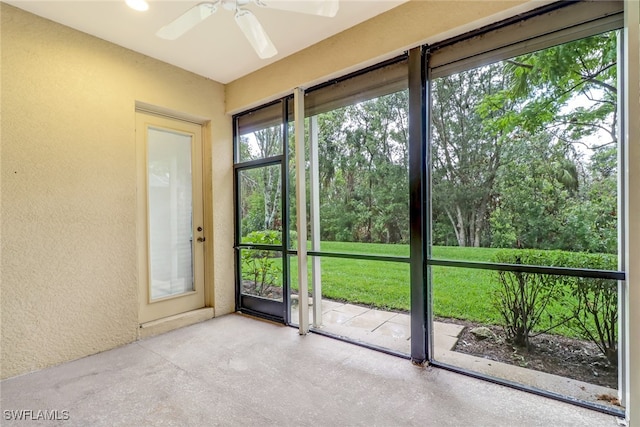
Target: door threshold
166,324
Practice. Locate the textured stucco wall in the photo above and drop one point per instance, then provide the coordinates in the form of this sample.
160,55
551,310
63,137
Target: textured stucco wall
391,33
68,260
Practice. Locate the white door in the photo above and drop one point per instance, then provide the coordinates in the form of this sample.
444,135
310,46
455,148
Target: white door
170,216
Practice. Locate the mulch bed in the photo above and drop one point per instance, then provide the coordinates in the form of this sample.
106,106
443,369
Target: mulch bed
555,354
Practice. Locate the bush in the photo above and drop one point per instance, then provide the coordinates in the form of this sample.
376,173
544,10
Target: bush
523,298
263,237
261,267
589,306
595,304
270,237
293,239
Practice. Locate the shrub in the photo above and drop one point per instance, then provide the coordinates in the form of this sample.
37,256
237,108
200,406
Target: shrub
261,267
589,306
263,237
597,314
523,298
293,239
595,304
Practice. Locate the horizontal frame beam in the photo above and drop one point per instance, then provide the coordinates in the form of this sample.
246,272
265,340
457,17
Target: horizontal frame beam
521,268
385,258
259,247
252,164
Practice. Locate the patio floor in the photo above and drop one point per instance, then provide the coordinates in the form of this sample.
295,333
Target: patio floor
236,370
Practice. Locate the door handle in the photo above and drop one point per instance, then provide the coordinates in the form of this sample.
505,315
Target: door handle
201,239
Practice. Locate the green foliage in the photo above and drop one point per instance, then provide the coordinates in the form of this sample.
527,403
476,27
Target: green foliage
466,151
532,199
261,269
591,218
523,155
524,151
503,232
260,188
549,79
593,302
541,207
263,237
293,239
363,167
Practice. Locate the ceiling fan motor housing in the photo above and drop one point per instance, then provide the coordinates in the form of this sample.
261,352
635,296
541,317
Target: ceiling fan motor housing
232,5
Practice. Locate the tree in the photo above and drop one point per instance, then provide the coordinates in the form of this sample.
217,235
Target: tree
569,89
533,189
364,171
466,153
519,149
261,188
567,92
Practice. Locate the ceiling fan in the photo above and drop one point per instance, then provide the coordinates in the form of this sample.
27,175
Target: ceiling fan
246,20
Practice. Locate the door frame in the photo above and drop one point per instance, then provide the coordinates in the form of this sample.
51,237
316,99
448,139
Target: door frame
279,311
159,308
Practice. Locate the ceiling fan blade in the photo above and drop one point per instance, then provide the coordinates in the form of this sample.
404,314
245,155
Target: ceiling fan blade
256,35
328,8
188,20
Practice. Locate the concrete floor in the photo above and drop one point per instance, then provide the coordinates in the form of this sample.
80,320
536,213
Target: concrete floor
235,370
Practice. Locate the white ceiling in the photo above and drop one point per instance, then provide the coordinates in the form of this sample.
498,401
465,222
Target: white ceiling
215,48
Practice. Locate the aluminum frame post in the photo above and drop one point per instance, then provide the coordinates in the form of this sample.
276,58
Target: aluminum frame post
301,212
314,172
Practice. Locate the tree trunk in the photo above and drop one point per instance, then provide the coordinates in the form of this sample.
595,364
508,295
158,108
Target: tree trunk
271,197
453,224
461,234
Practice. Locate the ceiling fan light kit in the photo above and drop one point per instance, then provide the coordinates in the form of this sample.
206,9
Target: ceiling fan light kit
245,19
139,5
